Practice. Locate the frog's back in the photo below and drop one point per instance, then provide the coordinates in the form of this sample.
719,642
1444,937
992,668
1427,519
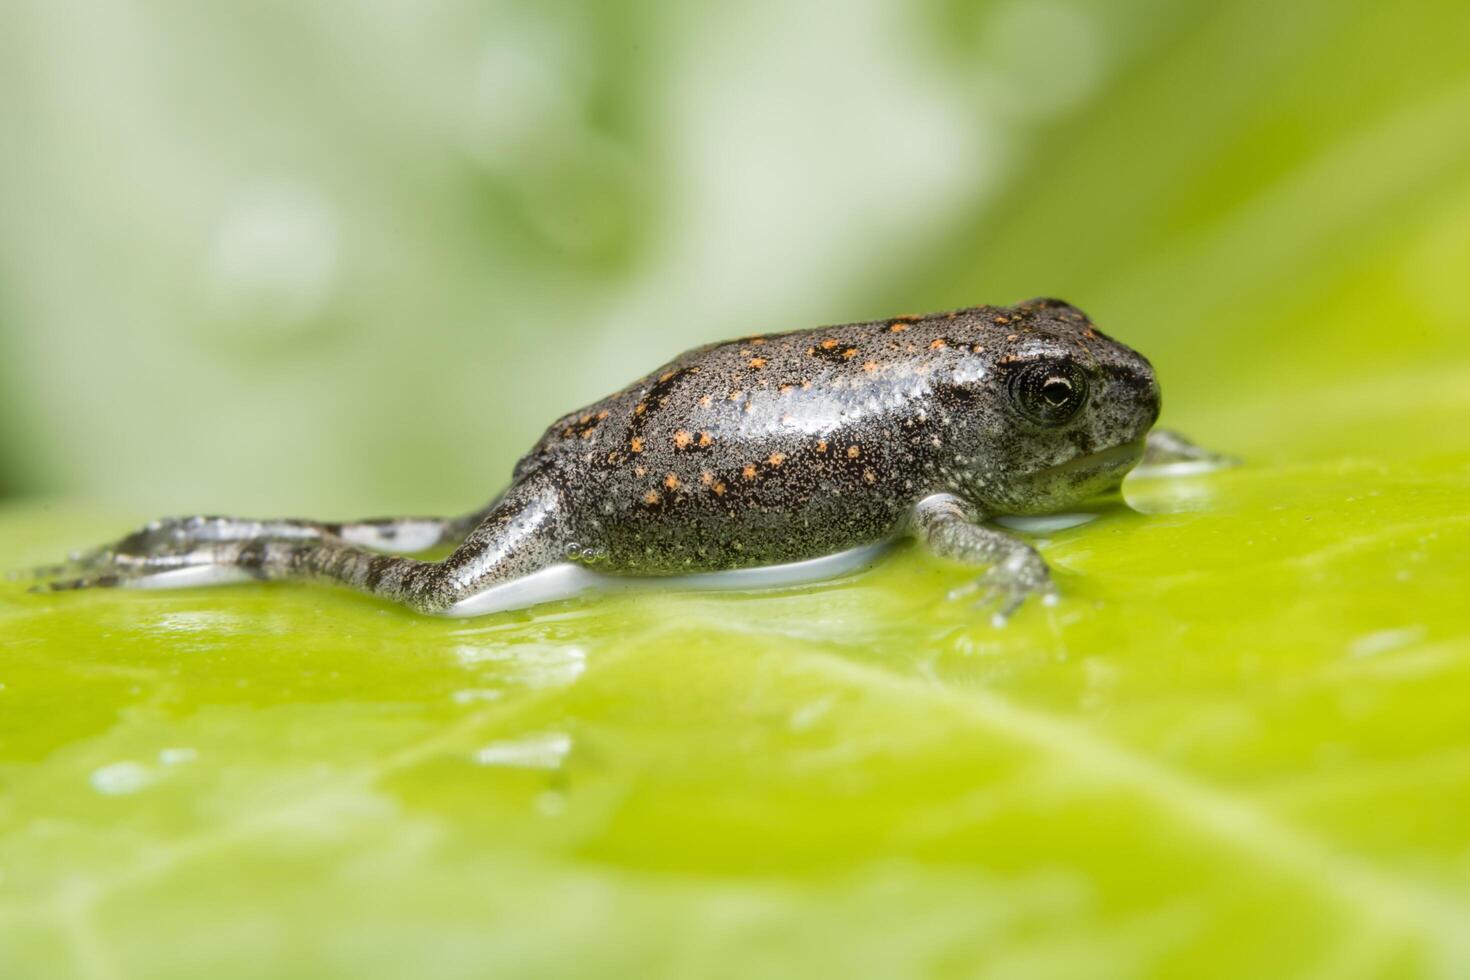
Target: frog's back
770,448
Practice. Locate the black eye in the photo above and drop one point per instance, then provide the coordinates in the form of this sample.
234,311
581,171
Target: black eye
1049,392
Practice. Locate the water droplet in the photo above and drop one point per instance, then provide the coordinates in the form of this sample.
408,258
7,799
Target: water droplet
552,803
121,778
533,752
471,695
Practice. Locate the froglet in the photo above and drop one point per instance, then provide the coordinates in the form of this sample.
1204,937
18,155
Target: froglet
758,462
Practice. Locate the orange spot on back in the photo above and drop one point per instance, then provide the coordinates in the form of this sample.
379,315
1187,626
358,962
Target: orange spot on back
870,366
706,477
938,343
776,459
849,353
898,327
829,343
821,445
636,444
1013,336
757,362
705,439
651,498
748,471
719,489
671,481
683,438
853,452
1001,320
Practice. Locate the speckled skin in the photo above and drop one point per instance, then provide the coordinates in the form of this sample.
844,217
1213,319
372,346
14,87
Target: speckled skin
790,446
766,450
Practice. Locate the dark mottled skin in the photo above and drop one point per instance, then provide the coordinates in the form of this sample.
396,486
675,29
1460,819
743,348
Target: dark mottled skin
789,446
761,451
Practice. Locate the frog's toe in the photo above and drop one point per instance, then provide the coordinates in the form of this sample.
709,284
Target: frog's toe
110,580
40,573
77,564
100,567
1006,587
963,590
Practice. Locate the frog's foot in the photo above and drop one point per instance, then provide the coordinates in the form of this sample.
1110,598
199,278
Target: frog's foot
1008,584
162,545
149,545
1169,453
64,584
104,568
78,563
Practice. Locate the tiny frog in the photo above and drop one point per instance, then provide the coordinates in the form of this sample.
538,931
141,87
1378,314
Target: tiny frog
752,463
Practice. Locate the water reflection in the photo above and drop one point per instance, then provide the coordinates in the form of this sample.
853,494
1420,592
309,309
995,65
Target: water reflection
531,752
1170,493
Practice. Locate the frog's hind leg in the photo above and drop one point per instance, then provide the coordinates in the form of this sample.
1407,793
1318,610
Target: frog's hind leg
521,534
157,543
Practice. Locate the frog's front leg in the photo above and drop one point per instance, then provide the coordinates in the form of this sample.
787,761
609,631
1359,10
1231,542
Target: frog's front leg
950,528
1170,453
522,533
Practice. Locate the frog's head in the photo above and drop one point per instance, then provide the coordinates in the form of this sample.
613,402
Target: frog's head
1071,409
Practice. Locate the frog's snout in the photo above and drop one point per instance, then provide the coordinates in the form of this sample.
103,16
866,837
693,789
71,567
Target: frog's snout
1141,389
1153,399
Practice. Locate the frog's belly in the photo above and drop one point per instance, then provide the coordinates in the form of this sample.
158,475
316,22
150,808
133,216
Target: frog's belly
566,580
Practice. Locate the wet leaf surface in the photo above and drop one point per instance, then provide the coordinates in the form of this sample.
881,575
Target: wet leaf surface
1237,747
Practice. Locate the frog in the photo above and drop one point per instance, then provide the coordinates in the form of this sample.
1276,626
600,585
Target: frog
760,462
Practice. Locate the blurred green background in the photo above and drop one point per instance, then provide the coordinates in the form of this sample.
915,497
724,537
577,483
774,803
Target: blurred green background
334,259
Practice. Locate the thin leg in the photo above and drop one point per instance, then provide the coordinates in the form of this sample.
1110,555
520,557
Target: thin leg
949,528
1169,453
181,535
521,534
398,535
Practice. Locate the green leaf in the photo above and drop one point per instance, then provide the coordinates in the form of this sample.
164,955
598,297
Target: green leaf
1236,748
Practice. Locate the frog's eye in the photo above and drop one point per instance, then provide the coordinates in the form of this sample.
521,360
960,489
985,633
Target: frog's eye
1049,392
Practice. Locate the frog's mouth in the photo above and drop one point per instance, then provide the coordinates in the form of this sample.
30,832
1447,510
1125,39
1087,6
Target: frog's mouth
1120,457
